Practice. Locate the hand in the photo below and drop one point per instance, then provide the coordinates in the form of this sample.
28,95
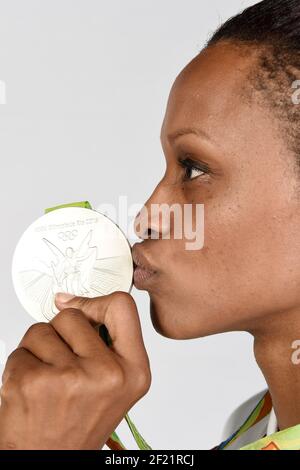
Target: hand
63,388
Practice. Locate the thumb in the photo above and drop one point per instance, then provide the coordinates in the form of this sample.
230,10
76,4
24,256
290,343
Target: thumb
118,312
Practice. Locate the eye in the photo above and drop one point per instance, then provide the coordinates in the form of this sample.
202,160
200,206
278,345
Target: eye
192,168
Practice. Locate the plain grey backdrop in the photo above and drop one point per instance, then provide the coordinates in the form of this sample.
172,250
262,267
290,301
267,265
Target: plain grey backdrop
86,88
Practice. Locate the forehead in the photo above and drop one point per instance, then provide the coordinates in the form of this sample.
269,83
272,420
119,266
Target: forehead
213,94
212,88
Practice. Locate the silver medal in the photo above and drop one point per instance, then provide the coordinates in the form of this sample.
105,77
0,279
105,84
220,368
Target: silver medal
74,250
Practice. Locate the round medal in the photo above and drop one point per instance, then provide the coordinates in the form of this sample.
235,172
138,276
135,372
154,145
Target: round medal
74,250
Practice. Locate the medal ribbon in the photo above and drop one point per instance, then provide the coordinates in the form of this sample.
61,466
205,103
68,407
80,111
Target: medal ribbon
288,439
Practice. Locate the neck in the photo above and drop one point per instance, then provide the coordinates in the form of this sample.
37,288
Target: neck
274,338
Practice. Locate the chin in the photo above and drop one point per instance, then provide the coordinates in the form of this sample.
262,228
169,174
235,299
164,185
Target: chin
173,322
161,324
164,323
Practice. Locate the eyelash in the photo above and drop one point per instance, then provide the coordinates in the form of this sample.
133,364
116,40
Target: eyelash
188,164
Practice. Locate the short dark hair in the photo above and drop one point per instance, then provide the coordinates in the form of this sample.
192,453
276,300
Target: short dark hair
272,27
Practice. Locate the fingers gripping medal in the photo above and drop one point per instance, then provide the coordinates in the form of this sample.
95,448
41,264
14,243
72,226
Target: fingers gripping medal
77,250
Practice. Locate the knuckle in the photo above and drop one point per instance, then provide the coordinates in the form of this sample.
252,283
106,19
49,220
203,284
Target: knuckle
82,302
13,366
21,381
8,391
38,329
4,396
66,314
32,385
142,381
113,377
10,357
69,311
122,298
71,379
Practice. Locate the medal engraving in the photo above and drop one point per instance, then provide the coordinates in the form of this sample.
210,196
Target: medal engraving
72,250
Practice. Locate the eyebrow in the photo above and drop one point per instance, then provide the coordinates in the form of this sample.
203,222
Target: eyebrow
187,131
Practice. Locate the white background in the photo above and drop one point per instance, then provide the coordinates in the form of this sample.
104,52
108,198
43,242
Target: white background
86,86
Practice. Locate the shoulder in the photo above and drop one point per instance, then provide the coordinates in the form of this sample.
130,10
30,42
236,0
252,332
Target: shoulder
240,414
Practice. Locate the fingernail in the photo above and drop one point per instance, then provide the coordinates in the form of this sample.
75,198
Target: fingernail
63,297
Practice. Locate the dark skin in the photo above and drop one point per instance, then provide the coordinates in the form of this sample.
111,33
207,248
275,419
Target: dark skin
63,388
245,278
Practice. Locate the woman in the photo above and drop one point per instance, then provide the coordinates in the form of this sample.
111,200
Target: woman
231,142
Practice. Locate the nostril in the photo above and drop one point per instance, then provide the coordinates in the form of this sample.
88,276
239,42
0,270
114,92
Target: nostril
152,234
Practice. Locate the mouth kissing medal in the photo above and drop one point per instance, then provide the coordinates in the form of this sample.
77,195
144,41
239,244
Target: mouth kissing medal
74,249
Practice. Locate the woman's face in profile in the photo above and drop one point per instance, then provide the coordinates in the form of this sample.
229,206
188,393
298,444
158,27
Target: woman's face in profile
249,267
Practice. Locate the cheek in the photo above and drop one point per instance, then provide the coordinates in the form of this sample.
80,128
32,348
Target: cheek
254,253
249,267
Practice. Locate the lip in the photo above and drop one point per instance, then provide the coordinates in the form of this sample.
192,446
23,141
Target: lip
143,270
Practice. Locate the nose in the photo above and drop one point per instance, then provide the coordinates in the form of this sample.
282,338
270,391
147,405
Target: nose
153,222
